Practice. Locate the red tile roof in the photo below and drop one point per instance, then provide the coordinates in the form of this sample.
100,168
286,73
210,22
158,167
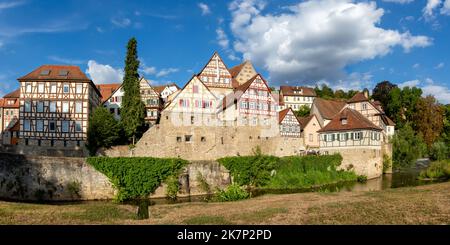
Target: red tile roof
2,101
160,88
359,97
305,120
106,90
13,94
355,121
387,120
234,71
283,114
74,73
302,91
328,108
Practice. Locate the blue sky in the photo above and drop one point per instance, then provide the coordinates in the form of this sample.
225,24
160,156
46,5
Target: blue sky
346,44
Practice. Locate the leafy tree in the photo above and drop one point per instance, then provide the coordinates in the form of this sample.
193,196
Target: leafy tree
133,109
407,147
446,131
303,111
439,151
428,119
381,92
327,92
351,93
103,130
340,94
402,104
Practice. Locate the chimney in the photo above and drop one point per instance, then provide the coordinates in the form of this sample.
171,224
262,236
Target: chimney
366,93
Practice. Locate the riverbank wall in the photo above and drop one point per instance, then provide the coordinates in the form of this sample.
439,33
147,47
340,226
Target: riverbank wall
37,178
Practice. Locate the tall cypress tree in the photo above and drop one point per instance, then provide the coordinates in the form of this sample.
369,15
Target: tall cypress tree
133,109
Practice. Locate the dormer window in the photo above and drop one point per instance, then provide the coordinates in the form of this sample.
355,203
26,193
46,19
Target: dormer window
344,121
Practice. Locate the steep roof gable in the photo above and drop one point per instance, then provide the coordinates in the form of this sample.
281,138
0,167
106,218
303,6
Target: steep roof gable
216,68
304,121
358,97
328,108
107,90
282,114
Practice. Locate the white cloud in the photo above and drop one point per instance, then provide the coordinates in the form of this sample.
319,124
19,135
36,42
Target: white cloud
123,22
222,38
416,65
54,26
428,10
412,83
11,4
65,60
446,8
314,40
440,65
100,73
398,1
441,93
204,8
165,72
148,70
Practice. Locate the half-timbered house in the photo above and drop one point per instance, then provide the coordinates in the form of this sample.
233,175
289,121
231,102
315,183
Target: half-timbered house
361,103
251,103
289,124
112,97
152,101
195,104
165,91
9,118
216,76
55,104
349,128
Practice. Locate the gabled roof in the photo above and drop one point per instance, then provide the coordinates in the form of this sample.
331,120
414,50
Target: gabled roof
2,101
15,127
13,94
282,114
107,90
302,91
56,72
358,97
305,120
161,88
387,121
354,121
328,108
209,61
235,70
181,90
240,90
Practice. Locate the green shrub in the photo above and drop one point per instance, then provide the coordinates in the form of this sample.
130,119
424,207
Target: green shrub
250,170
437,170
233,193
173,186
408,146
387,163
362,178
74,188
439,151
307,171
136,177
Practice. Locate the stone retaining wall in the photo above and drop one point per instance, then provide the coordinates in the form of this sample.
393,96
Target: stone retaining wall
35,178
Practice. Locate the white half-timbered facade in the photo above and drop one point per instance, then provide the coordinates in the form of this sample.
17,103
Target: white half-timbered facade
289,124
216,76
152,101
55,104
251,103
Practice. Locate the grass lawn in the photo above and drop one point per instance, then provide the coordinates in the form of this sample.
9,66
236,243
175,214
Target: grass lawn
413,205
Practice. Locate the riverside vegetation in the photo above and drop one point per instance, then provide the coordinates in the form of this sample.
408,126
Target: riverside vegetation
138,177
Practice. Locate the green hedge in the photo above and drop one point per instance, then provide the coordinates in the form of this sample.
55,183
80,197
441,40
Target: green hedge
250,170
136,177
286,172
